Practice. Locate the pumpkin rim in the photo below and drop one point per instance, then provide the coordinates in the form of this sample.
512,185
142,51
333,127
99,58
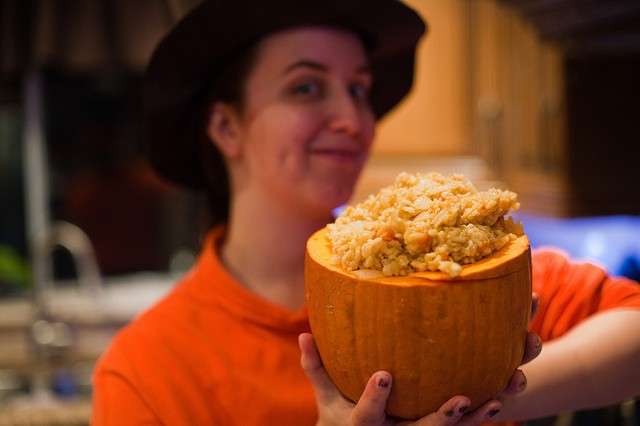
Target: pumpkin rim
501,263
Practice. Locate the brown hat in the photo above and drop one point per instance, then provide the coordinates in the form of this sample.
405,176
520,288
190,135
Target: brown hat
200,45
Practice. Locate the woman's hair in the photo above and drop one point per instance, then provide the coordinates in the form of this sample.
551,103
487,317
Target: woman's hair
229,87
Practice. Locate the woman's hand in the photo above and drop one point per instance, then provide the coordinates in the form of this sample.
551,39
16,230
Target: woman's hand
334,409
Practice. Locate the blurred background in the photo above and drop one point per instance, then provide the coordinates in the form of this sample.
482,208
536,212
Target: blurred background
538,96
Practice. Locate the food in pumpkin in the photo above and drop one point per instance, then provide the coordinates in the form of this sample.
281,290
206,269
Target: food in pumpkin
439,334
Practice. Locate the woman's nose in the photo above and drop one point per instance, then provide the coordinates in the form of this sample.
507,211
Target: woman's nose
346,115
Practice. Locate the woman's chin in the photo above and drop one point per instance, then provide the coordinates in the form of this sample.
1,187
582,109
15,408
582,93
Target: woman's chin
328,197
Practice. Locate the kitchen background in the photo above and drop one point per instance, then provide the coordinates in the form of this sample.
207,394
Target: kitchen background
539,96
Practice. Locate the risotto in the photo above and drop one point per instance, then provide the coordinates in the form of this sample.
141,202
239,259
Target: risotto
423,222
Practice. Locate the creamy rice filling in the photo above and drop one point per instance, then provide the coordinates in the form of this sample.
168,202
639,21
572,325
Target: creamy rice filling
423,222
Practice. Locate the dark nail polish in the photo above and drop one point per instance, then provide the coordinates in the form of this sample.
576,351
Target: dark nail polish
492,413
383,383
449,413
463,409
523,384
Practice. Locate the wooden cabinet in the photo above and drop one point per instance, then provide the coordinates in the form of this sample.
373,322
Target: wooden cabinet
488,102
434,119
518,99
431,130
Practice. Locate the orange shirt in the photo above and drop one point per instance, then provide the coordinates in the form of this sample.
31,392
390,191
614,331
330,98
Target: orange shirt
211,352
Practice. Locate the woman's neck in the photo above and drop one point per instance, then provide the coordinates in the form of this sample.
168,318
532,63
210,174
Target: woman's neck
264,249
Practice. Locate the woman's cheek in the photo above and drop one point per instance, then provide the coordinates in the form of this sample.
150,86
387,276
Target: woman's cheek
369,133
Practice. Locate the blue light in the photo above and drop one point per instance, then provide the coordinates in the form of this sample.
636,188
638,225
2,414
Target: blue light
610,241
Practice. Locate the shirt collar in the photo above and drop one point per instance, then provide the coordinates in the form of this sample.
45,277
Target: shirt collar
211,284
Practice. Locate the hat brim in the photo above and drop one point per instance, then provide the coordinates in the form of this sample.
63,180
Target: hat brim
185,60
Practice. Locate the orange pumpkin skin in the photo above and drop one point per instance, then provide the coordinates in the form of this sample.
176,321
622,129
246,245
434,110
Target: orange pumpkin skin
437,336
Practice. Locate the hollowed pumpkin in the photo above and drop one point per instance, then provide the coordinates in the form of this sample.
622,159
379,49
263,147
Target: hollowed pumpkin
437,336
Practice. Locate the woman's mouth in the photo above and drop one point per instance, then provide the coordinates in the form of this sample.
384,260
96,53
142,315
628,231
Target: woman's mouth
338,155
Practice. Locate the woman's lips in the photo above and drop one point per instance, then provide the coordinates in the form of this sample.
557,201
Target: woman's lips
340,155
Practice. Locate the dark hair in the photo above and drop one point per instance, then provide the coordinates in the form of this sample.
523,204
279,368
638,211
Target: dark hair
229,87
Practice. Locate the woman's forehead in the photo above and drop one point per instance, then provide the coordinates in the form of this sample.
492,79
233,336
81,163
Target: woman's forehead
334,48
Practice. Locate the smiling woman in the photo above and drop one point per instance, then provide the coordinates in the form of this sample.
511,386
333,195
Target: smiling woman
270,107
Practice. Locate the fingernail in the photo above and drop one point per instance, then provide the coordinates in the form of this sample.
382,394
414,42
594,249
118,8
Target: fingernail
449,413
383,383
523,383
492,413
463,409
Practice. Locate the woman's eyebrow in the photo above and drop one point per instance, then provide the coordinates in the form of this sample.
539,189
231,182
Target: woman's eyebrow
306,63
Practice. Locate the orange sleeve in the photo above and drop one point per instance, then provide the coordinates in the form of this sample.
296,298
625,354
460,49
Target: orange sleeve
571,292
116,402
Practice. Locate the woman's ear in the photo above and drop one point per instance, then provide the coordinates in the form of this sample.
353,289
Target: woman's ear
223,129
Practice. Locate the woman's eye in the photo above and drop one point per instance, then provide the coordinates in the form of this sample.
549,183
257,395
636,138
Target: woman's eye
359,91
308,89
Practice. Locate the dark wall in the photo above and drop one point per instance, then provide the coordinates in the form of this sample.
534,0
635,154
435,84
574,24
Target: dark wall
603,95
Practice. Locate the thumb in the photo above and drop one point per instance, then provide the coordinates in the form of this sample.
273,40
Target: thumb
311,363
370,409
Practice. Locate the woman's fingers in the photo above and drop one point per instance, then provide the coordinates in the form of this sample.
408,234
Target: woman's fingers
312,365
517,384
532,348
485,413
370,408
535,302
448,414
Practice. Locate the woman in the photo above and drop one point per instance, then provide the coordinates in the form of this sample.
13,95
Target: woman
270,107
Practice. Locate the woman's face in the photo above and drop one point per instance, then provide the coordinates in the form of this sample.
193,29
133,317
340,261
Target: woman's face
307,125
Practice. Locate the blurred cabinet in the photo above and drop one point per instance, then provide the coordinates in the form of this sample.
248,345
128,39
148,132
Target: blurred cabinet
518,98
81,35
488,101
434,118
431,129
